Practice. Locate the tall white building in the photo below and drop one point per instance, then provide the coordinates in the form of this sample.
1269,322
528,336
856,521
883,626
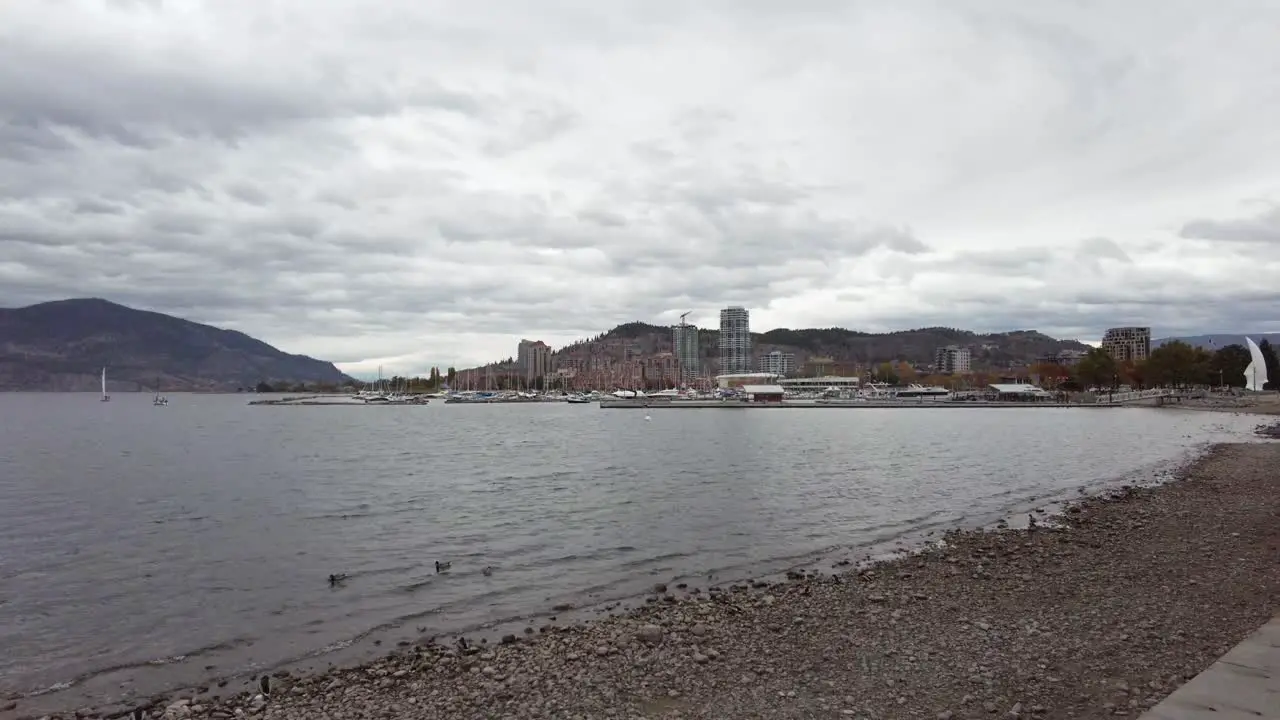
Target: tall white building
951,360
684,338
735,340
778,363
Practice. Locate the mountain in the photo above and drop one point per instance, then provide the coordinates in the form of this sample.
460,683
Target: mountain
1219,340
64,345
994,350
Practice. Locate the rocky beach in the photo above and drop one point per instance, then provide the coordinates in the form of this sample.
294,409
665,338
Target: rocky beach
1099,612
1267,403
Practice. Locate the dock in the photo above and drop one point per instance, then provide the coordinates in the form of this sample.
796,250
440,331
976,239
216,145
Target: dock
330,401
1243,684
1153,397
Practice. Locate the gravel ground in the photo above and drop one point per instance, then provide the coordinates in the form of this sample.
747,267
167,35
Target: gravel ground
1254,403
1100,615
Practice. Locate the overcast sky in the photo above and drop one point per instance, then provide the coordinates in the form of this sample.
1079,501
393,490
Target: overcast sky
410,183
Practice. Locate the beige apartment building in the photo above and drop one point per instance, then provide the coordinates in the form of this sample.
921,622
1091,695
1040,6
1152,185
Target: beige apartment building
952,360
1127,343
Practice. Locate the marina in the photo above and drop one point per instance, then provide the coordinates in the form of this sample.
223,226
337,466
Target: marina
757,397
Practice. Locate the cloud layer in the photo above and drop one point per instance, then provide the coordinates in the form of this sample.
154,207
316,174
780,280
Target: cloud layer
413,183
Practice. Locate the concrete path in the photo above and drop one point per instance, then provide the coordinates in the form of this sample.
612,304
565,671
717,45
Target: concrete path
1244,684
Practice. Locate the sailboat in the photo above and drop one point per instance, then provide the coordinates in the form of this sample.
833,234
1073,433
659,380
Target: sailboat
159,400
105,396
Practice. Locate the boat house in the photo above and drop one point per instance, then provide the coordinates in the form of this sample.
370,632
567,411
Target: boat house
1019,392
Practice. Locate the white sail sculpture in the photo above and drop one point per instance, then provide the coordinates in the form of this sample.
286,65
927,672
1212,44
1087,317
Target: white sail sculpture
1255,376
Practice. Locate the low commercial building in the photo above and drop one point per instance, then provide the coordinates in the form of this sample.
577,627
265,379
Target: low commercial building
818,365
818,384
737,380
764,393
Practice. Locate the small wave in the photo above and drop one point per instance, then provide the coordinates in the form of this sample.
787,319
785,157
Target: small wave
415,586
152,662
665,557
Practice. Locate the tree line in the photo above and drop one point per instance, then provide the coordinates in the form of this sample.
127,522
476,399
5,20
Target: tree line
433,382
1173,364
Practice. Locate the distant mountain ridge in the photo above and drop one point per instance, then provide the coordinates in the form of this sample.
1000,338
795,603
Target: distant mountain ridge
917,346
63,345
1219,340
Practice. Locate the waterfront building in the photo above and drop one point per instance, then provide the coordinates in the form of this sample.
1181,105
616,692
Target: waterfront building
1127,343
778,363
818,384
737,380
951,360
684,339
819,365
533,358
661,370
735,340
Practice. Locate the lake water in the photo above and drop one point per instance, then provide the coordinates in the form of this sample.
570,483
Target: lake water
143,548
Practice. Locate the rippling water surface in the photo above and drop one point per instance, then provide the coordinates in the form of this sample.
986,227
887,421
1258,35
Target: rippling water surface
202,533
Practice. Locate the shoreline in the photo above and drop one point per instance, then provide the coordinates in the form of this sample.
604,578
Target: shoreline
1266,403
104,689
869,616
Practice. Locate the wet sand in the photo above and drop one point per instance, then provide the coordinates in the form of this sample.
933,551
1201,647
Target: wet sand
1101,615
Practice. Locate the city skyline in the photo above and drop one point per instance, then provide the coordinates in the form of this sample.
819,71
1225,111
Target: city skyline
953,362
659,367
427,190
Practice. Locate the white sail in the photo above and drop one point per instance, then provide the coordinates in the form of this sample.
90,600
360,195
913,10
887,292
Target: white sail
1255,376
105,396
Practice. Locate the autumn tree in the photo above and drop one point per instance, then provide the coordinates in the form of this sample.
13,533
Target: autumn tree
1227,365
1178,364
1135,373
936,380
1097,369
906,373
885,373
1272,363
1050,375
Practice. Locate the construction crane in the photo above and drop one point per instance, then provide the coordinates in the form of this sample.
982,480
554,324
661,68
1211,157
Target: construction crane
683,316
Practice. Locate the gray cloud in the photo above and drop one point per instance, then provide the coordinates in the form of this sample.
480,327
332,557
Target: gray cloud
406,186
1263,228
1100,248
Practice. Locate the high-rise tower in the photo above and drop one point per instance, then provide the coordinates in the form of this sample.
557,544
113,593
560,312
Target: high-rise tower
684,338
735,340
